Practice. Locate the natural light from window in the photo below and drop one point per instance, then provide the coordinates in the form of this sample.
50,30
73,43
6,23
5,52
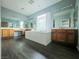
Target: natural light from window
41,22
21,24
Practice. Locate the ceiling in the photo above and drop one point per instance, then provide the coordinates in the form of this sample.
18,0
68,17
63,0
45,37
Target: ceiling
27,7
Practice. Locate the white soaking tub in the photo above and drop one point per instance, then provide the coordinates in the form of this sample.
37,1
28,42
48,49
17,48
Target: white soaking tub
43,38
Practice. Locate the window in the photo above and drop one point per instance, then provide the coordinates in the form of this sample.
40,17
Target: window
41,22
21,24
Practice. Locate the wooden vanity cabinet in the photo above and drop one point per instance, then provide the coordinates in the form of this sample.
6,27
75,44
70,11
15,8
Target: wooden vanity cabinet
58,35
72,36
0,32
61,36
11,32
68,36
7,33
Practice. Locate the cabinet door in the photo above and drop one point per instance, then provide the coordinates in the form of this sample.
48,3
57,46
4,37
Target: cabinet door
0,32
61,36
70,36
11,32
54,36
5,33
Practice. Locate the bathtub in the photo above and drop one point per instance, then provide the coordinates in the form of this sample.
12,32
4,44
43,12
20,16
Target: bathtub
43,38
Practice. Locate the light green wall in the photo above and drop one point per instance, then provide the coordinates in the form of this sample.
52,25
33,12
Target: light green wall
30,23
57,8
16,23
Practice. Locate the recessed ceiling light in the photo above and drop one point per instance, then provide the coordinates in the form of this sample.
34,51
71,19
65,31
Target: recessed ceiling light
22,8
31,1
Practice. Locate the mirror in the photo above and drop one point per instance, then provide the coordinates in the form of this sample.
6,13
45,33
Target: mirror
63,19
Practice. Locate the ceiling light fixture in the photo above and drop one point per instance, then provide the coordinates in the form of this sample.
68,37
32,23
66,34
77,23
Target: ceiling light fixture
31,1
22,8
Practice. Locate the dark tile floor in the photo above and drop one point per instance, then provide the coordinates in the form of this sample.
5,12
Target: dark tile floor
21,48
